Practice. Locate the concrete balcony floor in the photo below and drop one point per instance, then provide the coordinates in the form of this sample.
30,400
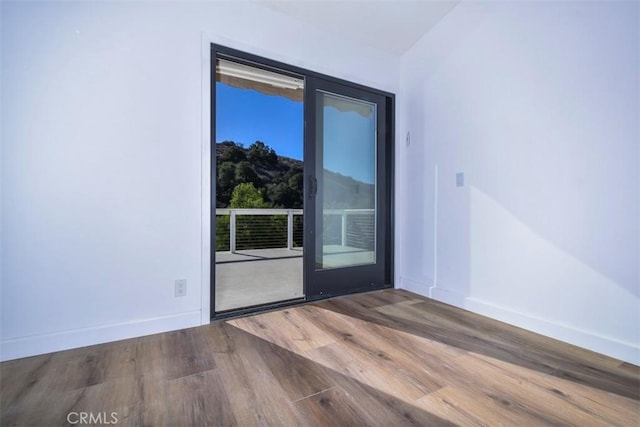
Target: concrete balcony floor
260,276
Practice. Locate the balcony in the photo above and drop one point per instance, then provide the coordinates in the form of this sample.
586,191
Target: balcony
259,251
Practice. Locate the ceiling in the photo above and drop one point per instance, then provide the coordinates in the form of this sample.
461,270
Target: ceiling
392,26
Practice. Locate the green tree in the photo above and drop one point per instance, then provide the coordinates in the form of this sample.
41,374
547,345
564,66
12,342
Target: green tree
296,185
261,154
233,152
225,183
246,195
249,227
222,233
246,173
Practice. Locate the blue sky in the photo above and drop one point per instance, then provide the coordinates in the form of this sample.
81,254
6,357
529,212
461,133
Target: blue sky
246,116
348,144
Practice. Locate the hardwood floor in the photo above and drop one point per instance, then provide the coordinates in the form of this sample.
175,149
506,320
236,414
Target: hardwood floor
386,358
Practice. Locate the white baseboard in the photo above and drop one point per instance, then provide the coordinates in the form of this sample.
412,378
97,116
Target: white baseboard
612,347
447,296
625,351
416,286
15,348
426,288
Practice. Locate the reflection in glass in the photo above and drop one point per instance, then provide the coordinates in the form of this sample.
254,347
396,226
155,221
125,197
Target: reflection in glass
345,226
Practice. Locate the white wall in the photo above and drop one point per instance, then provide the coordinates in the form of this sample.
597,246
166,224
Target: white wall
538,104
102,119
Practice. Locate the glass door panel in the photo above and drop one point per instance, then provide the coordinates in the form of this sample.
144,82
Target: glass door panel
345,225
259,186
347,205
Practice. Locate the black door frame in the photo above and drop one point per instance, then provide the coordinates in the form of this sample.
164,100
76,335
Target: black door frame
320,283
311,80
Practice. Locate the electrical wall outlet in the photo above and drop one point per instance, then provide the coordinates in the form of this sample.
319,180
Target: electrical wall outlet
181,287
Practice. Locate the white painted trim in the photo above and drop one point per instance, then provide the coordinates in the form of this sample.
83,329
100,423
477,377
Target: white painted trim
416,286
15,348
626,351
205,291
426,289
447,296
435,229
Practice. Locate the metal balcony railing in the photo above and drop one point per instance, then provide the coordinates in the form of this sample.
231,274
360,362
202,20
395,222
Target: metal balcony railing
350,227
246,229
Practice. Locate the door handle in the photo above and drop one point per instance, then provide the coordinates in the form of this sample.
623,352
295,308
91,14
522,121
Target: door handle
313,186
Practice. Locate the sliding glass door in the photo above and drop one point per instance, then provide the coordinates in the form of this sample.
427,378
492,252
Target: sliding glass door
348,201
303,185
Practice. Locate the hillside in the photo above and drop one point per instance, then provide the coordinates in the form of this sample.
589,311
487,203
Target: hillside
280,179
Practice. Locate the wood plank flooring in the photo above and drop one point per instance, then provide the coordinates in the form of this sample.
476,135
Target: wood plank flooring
388,358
